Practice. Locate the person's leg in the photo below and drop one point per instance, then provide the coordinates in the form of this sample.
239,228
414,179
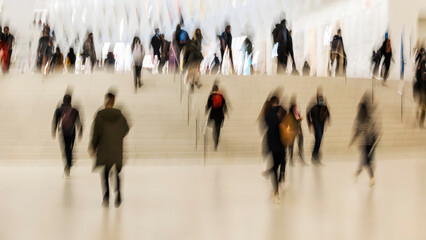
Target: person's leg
274,172
291,149
300,146
117,187
135,76
9,54
67,151
139,72
217,126
222,52
105,184
422,117
283,157
318,139
232,60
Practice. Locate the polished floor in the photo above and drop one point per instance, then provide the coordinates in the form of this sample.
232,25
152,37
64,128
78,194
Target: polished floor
216,202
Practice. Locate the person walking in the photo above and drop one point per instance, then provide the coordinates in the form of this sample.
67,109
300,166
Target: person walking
165,54
282,36
57,64
366,129
68,118
44,51
297,119
226,43
9,41
71,61
138,53
156,44
89,51
317,117
273,118
338,54
191,62
386,51
216,103
109,129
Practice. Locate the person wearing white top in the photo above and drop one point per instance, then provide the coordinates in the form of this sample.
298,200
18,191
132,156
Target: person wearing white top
138,53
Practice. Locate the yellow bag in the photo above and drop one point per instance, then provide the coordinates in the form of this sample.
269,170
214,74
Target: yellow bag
288,130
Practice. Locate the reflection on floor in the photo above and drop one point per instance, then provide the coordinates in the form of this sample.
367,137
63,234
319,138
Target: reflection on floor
216,202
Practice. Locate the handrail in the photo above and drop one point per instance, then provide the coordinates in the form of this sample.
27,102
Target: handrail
205,135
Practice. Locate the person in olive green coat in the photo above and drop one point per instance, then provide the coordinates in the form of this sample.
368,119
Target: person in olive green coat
109,129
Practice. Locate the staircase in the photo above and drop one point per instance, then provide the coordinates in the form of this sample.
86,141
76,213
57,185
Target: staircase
162,134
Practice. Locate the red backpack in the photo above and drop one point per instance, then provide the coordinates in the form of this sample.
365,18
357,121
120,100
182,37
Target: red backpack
217,100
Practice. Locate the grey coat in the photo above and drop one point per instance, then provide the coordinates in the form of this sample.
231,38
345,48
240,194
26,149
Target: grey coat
109,129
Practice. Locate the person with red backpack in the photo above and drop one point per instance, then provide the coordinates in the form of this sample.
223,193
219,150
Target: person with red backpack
68,118
218,108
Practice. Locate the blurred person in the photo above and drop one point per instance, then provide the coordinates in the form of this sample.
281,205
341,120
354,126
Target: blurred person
215,65
44,51
226,43
68,118
110,62
89,51
317,117
376,58
3,51
386,52
338,54
138,54
198,38
366,129
109,129
165,53
274,113
282,36
296,119
9,41
57,63
156,44
247,50
216,103
181,37
306,71
420,86
71,61
191,61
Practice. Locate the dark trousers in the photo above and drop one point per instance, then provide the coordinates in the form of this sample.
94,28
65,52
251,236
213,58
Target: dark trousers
278,169
8,60
68,146
386,66
105,180
319,130
282,64
367,159
422,117
137,75
216,131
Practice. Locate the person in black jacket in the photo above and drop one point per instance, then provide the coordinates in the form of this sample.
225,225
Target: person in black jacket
191,62
109,129
283,37
218,108
338,54
273,119
226,42
68,118
71,60
317,117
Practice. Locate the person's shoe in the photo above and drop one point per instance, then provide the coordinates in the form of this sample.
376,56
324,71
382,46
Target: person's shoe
140,84
199,85
118,200
372,181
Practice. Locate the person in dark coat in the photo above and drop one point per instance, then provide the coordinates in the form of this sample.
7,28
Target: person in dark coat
44,51
71,60
226,42
317,117
218,108
191,62
273,119
68,118
283,37
109,129
337,53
